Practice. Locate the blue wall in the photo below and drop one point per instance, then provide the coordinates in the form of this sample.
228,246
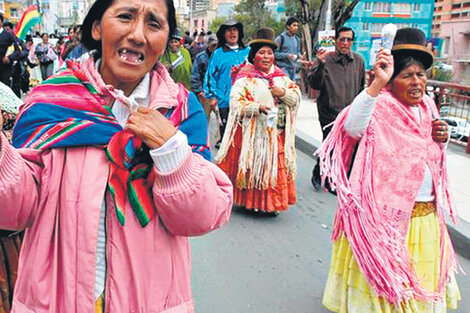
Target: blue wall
362,22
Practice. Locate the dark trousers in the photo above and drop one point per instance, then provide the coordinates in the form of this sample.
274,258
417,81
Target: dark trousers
16,80
5,73
223,113
316,169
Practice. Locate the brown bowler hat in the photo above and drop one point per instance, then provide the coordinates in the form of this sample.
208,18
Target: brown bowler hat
264,36
412,42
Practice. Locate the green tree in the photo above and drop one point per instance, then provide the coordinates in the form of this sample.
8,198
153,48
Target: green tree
252,14
215,24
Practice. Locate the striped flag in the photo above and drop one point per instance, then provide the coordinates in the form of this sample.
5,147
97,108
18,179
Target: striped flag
29,18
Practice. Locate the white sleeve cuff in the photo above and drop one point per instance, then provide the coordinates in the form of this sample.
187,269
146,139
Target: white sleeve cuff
170,156
359,114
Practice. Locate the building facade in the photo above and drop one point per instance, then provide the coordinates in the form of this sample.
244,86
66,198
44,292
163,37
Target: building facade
451,29
455,50
449,10
369,17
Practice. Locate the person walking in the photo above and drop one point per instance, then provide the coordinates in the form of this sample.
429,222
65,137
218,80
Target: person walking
7,39
199,71
44,52
339,76
109,174
178,61
288,50
392,251
18,58
258,147
231,52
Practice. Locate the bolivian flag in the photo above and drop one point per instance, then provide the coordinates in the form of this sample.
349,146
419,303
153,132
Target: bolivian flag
29,18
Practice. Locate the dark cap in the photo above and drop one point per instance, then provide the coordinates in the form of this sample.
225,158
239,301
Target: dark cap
227,24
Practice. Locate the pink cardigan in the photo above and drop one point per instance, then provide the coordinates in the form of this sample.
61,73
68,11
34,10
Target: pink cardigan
56,196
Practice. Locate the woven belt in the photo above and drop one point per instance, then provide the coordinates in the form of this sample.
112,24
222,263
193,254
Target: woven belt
423,209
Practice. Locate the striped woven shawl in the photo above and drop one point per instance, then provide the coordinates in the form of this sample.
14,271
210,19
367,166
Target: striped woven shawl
68,111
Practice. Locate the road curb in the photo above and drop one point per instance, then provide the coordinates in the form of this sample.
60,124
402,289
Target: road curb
459,233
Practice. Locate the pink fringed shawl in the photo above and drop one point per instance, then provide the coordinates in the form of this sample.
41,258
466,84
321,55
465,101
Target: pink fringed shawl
375,203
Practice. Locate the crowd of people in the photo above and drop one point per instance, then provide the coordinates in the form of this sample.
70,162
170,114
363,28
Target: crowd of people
107,164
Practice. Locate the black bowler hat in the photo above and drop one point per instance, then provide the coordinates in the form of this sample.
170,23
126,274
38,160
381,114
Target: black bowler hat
412,42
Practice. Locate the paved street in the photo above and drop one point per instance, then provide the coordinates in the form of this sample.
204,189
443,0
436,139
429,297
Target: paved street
259,264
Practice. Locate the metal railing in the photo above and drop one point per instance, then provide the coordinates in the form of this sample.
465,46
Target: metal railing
453,101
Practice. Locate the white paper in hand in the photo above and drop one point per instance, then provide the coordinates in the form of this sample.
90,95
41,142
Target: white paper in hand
388,36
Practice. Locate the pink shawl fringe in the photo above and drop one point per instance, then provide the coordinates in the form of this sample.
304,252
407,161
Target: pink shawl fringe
375,227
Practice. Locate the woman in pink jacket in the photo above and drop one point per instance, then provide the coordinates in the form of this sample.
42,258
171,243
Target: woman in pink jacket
107,174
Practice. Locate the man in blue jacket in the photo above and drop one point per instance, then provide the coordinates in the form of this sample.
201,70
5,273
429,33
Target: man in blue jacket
288,48
218,81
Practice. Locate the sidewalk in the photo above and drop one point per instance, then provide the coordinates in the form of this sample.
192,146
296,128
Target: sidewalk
309,136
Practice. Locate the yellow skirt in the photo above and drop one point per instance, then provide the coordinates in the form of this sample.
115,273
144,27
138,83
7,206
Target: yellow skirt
347,290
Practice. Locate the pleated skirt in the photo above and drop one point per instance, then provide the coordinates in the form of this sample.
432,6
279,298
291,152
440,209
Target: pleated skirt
274,198
347,290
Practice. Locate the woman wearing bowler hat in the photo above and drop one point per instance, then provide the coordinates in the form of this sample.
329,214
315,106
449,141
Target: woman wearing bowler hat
257,150
391,251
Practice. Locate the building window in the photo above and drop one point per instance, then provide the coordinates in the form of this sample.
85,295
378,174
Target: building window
377,27
416,7
402,8
446,45
456,6
466,5
14,13
381,7
455,15
464,14
365,26
367,6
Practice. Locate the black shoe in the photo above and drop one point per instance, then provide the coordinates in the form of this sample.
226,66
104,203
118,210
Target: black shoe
316,182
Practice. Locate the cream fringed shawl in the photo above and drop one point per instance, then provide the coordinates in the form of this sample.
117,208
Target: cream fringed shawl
375,203
257,165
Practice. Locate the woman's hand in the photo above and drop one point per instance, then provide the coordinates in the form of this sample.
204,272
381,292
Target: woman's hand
439,131
277,92
383,71
263,108
150,126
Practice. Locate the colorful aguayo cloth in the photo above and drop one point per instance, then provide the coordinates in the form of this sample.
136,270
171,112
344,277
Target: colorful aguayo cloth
68,111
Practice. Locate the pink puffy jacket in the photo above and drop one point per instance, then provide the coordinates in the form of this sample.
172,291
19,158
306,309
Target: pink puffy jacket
57,195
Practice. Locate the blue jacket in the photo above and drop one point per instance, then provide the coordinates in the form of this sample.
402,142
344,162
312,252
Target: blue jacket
218,81
201,61
287,44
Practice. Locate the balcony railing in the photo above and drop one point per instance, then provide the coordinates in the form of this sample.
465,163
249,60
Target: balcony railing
453,101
